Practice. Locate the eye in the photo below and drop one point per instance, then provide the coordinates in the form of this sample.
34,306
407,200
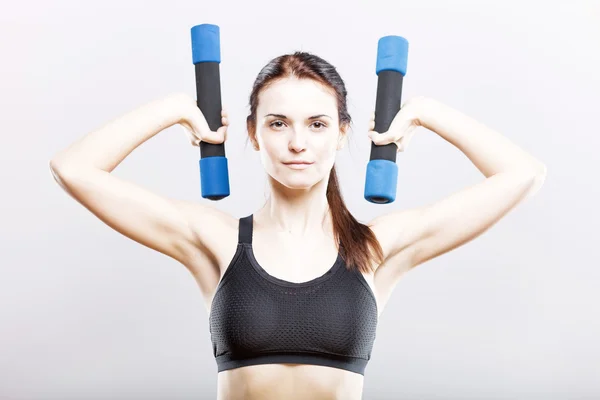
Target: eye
277,125
272,124
323,126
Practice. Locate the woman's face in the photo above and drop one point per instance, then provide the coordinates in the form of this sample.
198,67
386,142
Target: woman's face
297,120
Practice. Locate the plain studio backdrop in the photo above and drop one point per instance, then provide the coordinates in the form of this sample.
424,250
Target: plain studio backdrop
86,313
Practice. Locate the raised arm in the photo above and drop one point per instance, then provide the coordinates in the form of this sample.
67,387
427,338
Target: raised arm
511,175
84,168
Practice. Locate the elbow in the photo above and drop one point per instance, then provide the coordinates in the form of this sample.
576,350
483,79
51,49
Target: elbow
57,162
536,180
57,170
529,178
534,172
66,175
543,170
540,171
539,176
61,168
57,166
54,165
63,163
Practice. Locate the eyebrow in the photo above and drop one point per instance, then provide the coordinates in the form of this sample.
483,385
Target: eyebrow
284,117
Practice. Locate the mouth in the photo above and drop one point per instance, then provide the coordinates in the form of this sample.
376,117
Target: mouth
299,165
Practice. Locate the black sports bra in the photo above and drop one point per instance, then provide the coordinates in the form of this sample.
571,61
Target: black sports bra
256,318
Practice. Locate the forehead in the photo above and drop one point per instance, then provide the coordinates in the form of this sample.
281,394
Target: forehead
296,96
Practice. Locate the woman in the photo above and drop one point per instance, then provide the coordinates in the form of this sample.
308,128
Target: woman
294,291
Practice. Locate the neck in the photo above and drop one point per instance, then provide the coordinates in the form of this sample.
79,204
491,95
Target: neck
297,212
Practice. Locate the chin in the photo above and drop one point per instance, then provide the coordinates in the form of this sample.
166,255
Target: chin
297,181
294,183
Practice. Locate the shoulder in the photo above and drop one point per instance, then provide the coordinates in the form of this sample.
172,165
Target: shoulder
204,217
215,232
397,231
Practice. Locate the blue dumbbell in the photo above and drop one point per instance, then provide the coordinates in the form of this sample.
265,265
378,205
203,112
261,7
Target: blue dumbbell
382,170
206,52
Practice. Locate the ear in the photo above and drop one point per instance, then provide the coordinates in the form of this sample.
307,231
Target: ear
252,135
255,145
342,136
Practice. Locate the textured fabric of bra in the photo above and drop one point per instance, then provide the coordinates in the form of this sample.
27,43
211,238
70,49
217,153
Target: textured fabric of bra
256,318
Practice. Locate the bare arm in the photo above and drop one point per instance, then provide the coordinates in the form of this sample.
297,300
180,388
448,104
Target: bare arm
84,168
511,175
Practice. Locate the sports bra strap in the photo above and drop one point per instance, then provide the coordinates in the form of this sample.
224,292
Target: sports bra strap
245,230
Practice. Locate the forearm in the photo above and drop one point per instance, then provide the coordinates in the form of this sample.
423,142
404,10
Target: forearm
107,146
488,150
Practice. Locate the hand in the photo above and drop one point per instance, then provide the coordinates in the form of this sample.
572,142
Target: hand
403,125
195,124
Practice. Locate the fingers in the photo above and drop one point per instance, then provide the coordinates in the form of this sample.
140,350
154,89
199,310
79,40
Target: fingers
377,138
207,136
372,121
224,117
387,138
400,131
198,130
217,137
225,122
381,139
220,135
225,130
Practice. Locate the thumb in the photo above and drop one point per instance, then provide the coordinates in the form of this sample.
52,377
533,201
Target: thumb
379,139
222,132
213,137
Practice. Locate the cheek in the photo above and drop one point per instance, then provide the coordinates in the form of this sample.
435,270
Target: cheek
271,154
273,151
328,150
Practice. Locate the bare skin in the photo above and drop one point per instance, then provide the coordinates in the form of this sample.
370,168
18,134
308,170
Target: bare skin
293,381
296,216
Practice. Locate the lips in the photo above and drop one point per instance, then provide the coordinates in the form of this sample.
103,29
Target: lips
298,165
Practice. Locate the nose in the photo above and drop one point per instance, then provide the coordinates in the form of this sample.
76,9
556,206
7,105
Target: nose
298,140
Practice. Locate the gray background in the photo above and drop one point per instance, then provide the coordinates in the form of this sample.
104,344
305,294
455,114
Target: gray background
86,313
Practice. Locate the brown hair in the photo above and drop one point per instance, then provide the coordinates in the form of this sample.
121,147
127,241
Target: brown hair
358,242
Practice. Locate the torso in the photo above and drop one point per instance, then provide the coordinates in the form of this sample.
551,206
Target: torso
289,381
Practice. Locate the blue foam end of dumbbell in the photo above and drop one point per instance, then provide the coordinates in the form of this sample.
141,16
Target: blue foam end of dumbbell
214,177
206,44
381,181
392,54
